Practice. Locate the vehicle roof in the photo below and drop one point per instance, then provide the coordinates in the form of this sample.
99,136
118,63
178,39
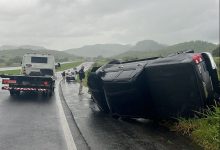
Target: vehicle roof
37,54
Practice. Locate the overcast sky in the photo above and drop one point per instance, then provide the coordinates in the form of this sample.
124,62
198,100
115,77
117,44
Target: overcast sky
64,24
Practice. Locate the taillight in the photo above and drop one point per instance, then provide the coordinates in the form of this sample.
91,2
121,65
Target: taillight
45,83
4,81
197,58
8,81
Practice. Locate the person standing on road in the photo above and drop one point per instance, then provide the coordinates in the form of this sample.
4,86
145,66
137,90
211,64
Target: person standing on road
81,77
63,75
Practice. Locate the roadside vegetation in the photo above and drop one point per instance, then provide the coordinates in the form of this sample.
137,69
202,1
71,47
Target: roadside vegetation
11,72
197,46
62,68
68,66
203,130
98,63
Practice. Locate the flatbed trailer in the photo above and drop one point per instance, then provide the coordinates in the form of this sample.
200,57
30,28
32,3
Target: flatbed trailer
20,83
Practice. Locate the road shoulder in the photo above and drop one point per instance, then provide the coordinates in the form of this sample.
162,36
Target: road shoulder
76,134
67,133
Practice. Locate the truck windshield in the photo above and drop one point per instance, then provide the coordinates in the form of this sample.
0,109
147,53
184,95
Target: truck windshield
39,60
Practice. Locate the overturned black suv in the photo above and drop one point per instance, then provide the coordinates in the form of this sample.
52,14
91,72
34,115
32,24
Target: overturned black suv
156,88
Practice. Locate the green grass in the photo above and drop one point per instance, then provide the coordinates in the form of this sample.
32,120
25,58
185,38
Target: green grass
100,62
11,72
63,67
205,131
2,65
68,66
96,64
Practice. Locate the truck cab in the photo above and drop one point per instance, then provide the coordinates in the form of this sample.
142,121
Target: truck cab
38,65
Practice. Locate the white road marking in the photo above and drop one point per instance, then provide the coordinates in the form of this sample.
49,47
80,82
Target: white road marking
67,133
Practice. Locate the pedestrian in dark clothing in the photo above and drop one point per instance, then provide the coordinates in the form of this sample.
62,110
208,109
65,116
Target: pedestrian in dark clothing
81,77
63,75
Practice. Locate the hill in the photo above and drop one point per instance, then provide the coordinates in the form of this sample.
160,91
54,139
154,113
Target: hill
197,46
29,47
109,50
147,45
105,50
13,57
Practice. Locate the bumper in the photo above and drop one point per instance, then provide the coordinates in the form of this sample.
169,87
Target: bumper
23,89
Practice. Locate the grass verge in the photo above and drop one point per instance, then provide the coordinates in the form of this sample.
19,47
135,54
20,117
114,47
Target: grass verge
68,66
203,130
11,72
62,68
96,64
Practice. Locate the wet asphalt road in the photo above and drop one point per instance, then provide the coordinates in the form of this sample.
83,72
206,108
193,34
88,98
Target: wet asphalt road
30,122
100,131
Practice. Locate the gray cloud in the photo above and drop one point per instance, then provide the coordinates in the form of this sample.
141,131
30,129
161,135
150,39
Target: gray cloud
62,24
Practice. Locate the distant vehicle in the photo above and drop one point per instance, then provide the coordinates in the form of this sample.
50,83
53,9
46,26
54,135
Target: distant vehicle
71,76
156,88
37,75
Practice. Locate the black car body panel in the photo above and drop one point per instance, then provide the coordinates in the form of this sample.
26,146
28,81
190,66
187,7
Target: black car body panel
155,88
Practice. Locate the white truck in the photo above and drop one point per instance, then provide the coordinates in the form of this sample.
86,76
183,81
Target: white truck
37,75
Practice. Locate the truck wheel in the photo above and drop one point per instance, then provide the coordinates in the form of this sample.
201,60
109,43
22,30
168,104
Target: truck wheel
44,94
17,93
14,93
50,92
11,93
